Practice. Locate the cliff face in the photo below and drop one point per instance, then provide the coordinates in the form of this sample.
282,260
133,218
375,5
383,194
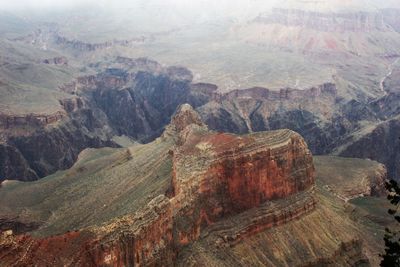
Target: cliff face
214,176
44,144
221,174
138,103
315,113
137,97
30,120
144,107
381,144
14,165
328,21
144,239
320,27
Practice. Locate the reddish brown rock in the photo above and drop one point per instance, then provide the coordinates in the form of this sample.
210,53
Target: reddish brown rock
144,239
263,179
220,174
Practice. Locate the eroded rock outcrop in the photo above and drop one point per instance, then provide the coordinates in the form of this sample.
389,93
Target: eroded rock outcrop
143,239
137,103
29,120
137,97
218,174
215,176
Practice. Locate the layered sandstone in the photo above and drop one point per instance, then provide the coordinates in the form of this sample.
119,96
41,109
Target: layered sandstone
232,174
217,174
142,239
326,21
263,179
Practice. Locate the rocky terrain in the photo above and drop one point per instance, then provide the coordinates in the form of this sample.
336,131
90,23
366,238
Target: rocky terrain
203,157
201,190
350,178
136,97
60,94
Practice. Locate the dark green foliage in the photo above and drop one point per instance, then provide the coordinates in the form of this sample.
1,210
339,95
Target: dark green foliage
391,257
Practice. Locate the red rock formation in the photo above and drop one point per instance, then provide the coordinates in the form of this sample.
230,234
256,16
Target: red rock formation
217,174
220,174
214,176
144,239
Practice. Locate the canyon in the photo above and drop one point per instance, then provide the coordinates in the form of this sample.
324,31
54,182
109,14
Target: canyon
201,189
138,98
261,136
98,90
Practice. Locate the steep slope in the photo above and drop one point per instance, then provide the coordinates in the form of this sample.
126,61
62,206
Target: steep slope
380,143
194,197
71,87
136,99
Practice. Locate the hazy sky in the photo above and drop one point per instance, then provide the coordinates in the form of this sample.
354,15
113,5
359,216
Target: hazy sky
10,4
230,4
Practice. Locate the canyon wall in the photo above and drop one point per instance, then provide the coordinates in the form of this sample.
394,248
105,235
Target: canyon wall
97,110
326,21
381,144
215,176
138,99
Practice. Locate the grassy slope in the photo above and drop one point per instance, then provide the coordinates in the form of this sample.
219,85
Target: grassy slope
346,176
27,85
103,184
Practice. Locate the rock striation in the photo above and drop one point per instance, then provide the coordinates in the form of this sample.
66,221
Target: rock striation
137,97
264,179
326,21
217,174
30,120
137,103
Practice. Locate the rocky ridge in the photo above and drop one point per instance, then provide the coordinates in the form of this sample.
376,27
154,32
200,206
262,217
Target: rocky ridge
283,172
225,200
137,97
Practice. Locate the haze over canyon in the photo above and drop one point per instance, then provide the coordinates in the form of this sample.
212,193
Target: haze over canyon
194,133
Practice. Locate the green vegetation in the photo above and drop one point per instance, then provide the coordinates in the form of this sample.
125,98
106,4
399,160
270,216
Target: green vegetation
391,257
